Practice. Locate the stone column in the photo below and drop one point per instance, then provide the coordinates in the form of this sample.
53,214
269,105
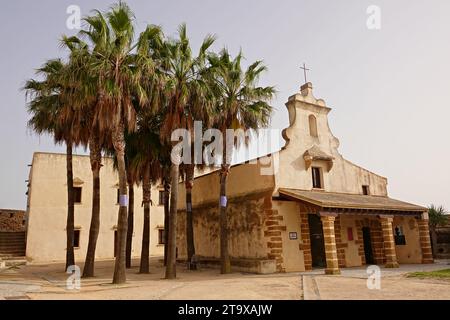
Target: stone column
425,243
388,240
330,243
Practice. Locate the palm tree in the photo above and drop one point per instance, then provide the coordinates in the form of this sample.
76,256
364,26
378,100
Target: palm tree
143,148
241,105
199,109
183,80
52,113
437,217
86,100
123,68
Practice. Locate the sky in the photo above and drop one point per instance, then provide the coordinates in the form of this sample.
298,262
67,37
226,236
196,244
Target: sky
389,87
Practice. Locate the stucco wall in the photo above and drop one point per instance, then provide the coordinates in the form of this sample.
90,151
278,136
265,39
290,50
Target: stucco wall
246,228
46,236
344,176
293,258
242,180
411,252
352,257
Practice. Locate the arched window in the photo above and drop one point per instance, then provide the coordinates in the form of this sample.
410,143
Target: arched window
313,126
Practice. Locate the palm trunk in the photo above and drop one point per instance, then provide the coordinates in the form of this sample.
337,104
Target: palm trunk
145,248
223,201
223,221
130,229
191,264
70,255
96,159
166,217
122,224
171,272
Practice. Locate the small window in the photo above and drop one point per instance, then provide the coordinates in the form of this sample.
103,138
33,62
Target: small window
365,190
161,236
161,198
316,178
76,239
118,196
399,237
77,194
313,126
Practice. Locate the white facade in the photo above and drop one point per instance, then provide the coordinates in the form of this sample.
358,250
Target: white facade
47,210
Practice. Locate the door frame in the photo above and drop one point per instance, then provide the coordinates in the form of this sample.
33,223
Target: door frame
317,242
367,245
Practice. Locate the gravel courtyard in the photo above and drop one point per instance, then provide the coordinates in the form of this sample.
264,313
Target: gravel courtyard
49,282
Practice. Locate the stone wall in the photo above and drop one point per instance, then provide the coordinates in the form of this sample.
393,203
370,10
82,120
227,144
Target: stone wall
12,220
443,241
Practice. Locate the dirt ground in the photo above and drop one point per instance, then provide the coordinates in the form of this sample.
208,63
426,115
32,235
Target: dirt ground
50,282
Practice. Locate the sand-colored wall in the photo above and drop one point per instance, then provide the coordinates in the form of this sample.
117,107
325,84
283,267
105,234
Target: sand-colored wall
246,190
293,259
242,180
46,233
411,252
246,228
352,258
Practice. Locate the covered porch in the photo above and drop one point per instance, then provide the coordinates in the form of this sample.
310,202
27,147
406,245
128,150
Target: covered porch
344,230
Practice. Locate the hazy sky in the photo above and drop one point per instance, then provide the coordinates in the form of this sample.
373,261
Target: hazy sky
389,88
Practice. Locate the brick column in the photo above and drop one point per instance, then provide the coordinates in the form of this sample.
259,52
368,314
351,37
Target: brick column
305,246
330,244
425,243
388,240
272,233
339,244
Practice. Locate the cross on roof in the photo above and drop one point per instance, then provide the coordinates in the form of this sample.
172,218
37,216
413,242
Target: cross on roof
304,71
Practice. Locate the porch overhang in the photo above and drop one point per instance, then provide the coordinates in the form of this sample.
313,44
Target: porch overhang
343,203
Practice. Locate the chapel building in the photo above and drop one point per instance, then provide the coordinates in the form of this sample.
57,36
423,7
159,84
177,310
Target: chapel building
311,208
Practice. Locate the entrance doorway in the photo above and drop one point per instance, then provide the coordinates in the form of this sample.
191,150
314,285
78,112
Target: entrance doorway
368,253
317,241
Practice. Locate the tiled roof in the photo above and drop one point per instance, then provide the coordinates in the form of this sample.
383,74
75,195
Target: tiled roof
350,201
